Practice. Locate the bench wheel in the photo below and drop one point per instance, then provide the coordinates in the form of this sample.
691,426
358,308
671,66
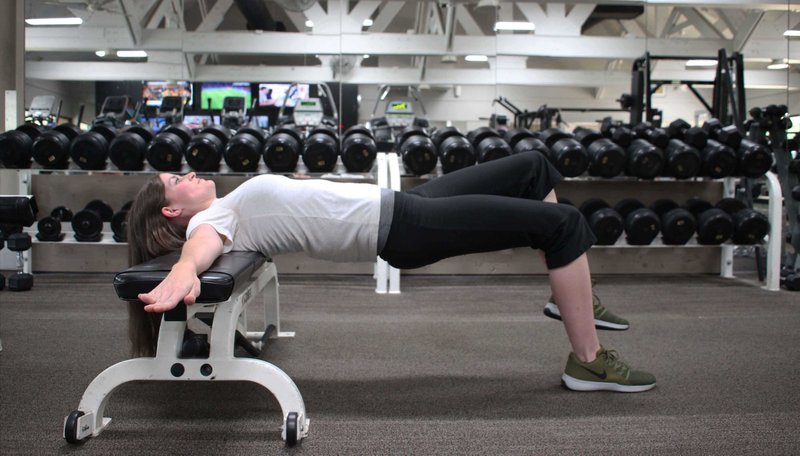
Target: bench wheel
291,429
71,428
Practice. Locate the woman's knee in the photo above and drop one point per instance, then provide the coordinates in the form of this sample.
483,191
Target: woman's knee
571,236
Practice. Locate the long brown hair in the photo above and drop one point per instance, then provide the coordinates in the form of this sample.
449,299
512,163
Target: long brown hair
150,235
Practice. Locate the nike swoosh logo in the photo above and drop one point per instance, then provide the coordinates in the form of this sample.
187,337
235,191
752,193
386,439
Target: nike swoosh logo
600,375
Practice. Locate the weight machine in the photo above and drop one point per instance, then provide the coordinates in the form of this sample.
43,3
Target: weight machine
545,115
728,103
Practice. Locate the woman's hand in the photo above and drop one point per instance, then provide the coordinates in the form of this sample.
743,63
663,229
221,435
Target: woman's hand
181,284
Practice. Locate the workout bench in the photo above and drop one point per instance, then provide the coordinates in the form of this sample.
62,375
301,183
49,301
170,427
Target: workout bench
227,287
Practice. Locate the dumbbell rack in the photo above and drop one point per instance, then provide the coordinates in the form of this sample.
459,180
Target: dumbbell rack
122,185
773,244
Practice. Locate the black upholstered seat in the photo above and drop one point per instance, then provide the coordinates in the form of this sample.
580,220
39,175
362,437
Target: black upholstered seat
216,284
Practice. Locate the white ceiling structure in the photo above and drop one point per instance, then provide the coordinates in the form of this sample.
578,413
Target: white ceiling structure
409,41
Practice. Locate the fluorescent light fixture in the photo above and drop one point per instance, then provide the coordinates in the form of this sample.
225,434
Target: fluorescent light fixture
778,65
367,23
100,53
701,63
791,33
515,26
55,21
476,58
366,56
309,24
131,54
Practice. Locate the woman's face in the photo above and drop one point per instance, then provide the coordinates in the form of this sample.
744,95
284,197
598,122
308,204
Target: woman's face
188,190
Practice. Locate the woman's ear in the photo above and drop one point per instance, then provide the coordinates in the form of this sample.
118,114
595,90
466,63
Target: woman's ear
171,213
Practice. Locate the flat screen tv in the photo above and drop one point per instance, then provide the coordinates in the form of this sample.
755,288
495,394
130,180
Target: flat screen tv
217,91
270,94
155,91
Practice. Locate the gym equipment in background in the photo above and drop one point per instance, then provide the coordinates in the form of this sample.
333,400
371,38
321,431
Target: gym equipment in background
566,153
49,228
643,159
128,149
606,158
205,149
321,150
641,224
243,152
677,224
714,226
417,150
165,152
88,222
282,150
358,149
454,149
749,225
488,144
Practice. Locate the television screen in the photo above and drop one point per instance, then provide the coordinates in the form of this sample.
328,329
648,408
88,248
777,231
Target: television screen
155,91
200,122
273,94
261,121
217,91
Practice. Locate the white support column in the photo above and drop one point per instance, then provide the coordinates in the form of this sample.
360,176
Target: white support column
394,184
386,15
775,215
381,266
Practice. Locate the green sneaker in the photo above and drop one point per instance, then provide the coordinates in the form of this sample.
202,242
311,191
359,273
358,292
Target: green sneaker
603,318
606,373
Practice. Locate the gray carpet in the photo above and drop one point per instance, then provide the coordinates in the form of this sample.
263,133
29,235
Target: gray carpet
453,365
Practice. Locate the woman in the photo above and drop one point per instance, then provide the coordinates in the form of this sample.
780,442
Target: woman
501,204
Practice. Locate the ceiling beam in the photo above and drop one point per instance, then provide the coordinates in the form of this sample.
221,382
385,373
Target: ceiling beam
284,43
613,80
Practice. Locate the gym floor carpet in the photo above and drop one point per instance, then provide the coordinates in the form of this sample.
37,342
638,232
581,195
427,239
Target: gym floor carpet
453,365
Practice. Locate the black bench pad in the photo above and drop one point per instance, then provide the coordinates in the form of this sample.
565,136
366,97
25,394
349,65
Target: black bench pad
216,284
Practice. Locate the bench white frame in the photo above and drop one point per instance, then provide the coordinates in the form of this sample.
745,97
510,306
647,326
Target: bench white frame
221,365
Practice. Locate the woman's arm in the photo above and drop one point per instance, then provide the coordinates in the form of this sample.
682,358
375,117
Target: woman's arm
181,284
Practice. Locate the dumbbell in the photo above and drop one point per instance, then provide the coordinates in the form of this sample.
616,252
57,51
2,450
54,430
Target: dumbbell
656,136
488,144
243,151
16,146
681,160
455,150
620,134
641,224
358,149
282,150
693,136
606,158
321,150
19,281
728,135
88,222
605,222
719,159
51,148
165,152
749,225
90,149
524,140
119,223
678,225
49,228
714,226
643,159
566,153
127,151
754,159
417,150
205,149
790,279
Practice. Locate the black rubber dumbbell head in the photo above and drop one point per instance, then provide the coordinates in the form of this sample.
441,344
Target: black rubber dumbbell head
358,149
119,226
282,150
605,222
749,225
714,226
642,225
719,160
678,225
165,152
127,151
456,152
18,242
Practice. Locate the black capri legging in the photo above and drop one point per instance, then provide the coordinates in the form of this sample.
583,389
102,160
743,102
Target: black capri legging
491,206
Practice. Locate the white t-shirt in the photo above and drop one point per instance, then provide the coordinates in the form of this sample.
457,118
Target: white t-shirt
274,214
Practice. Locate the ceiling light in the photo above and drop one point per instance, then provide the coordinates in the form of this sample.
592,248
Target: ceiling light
309,24
516,26
131,54
100,53
367,23
701,63
476,58
55,21
778,65
366,56
791,33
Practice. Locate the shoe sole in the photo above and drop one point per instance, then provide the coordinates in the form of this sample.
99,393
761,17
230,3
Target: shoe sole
583,385
551,310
